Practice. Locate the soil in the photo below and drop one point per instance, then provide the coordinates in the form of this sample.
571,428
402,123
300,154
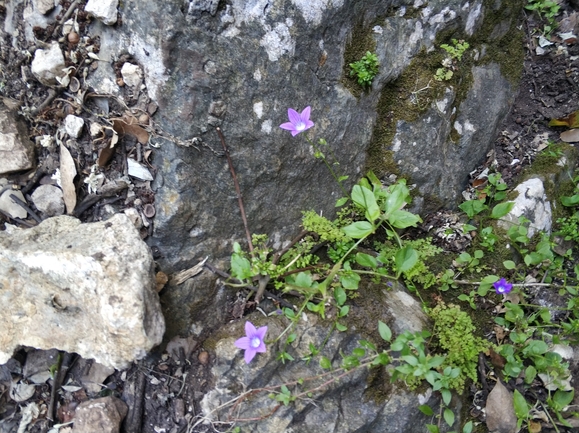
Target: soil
165,389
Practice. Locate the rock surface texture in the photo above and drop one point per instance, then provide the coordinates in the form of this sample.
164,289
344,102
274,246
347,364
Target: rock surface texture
84,288
16,150
361,401
242,65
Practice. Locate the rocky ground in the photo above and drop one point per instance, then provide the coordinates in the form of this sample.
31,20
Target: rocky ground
112,143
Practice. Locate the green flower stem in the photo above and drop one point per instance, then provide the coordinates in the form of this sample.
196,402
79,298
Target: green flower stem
334,175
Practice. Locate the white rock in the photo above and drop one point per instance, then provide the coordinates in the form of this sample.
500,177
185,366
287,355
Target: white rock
138,170
531,203
73,125
43,6
132,74
8,206
104,10
84,288
48,63
49,200
16,149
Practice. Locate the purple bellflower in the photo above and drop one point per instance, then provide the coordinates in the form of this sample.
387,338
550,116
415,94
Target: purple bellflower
298,122
253,342
502,287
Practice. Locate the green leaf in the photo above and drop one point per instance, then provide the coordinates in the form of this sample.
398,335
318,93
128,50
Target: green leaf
530,374
395,199
364,198
426,410
303,279
446,396
340,295
325,363
509,264
240,267
449,416
502,209
342,201
410,359
432,428
521,406
350,281
570,201
341,327
384,331
467,427
486,283
358,229
359,352
472,207
562,399
381,359
402,219
344,310
405,259
366,260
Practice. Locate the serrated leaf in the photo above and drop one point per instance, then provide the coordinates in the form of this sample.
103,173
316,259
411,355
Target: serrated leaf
384,331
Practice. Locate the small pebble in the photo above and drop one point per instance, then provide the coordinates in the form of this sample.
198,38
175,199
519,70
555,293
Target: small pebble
73,38
203,358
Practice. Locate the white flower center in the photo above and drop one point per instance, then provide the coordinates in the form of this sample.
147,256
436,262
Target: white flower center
300,126
255,342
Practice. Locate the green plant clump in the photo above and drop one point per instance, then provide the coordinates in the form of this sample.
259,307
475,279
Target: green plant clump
365,69
454,55
455,332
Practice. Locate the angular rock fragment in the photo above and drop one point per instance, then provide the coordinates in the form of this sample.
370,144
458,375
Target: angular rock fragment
48,63
16,150
84,288
103,415
48,199
43,6
104,10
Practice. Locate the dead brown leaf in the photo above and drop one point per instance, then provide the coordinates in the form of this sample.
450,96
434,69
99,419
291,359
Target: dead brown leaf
570,136
130,125
500,410
67,174
108,151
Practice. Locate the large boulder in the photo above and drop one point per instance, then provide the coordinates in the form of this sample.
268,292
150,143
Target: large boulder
240,65
84,288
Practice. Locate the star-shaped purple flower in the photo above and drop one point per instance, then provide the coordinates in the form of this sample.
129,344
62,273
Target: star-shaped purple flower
502,286
298,122
253,342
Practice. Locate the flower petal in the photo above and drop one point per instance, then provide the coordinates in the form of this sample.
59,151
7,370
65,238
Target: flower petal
306,114
293,115
288,125
250,330
243,343
260,332
249,355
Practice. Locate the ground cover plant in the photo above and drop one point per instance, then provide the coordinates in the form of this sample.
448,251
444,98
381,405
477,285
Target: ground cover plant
367,241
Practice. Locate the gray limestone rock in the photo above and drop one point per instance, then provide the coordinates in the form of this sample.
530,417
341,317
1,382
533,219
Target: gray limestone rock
532,203
16,150
103,415
49,200
43,6
104,10
48,64
84,288
253,61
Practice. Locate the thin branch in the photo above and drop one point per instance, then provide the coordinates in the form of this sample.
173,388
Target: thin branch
237,190
254,289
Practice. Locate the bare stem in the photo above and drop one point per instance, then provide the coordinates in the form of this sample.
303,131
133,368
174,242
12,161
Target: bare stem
237,190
